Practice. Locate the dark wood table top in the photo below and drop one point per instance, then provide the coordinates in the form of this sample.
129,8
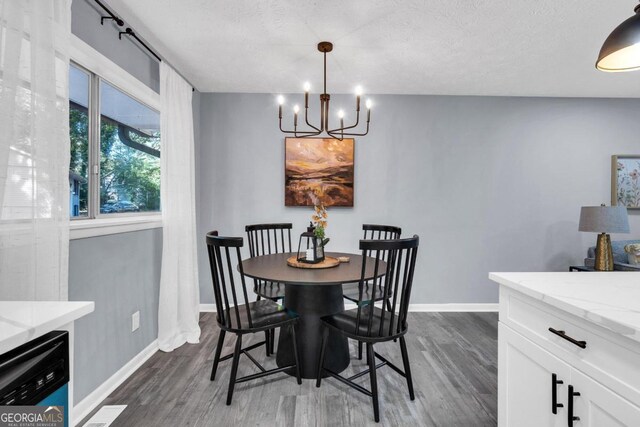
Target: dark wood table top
274,268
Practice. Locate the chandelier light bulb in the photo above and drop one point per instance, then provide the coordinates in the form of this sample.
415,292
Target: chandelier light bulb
280,100
369,104
341,114
358,90
296,108
307,86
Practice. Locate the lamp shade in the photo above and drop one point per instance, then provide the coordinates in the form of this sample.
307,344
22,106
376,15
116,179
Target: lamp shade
621,50
604,219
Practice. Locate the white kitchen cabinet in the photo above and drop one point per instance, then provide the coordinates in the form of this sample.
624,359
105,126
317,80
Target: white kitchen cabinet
525,376
597,406
557,325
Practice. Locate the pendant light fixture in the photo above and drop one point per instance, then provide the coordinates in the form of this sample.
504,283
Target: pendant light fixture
621,50
338,132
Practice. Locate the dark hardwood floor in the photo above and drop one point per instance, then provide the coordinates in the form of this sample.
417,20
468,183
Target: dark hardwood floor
453,359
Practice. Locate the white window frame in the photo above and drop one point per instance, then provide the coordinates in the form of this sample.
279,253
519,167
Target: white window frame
92,60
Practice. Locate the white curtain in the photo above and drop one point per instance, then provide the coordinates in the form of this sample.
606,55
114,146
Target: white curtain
34,149
179,291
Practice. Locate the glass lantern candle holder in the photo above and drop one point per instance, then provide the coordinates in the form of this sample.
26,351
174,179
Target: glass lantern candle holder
310,248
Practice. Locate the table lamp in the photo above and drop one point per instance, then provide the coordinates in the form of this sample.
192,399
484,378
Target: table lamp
603,220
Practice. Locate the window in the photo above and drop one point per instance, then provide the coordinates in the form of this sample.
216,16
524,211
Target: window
79,136
129,154
123,146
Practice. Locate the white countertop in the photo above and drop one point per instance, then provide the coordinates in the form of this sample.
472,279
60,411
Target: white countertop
22,321
608,299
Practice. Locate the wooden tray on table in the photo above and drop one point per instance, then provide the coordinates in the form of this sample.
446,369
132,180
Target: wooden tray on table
329,262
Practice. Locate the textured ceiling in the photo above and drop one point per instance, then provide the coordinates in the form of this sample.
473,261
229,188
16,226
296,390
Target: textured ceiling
452,47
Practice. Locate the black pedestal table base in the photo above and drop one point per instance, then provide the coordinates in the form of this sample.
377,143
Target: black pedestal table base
311,303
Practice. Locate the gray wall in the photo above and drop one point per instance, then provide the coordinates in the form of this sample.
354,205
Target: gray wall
85,23
489,183
121,273
196,102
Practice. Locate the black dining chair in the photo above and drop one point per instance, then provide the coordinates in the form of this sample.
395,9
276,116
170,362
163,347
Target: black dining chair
350,291
371,324
265,239
242,319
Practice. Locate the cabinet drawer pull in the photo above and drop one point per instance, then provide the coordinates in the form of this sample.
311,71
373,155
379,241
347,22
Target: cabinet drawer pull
570,417
554,393
561,334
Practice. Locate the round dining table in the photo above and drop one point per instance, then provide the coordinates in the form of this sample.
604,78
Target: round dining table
311,293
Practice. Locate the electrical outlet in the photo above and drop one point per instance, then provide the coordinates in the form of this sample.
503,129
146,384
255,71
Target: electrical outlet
135,321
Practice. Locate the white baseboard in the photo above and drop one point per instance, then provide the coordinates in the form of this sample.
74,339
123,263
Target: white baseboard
464,307
207,308
89,403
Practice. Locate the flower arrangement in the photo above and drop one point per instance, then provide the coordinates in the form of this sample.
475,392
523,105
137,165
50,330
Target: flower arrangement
633,248
633,251
319,220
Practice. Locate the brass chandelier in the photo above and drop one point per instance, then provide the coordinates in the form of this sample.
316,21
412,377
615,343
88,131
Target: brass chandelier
336,133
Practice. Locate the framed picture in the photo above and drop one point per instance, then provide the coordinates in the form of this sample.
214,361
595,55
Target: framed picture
625,181
318,170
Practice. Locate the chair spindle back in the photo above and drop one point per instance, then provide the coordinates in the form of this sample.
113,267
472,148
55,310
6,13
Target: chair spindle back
224,253
398,259
265,239
381,232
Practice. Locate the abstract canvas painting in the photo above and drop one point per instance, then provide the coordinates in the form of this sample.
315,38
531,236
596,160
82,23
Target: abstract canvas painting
625,181
318,170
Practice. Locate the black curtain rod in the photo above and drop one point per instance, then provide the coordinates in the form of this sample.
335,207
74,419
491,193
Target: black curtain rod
117,20
128,31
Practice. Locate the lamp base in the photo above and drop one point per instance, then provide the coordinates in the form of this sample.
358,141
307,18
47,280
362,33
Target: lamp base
604,253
